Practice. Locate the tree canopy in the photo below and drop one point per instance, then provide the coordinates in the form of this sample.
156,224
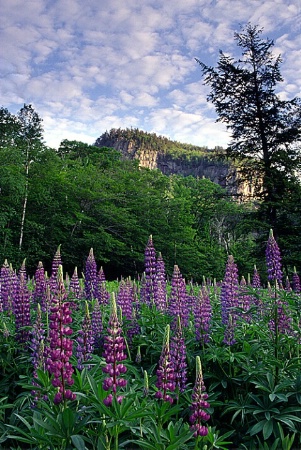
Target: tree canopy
266,130
82,196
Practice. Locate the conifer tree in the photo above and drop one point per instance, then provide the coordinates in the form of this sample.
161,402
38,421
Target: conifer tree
265,130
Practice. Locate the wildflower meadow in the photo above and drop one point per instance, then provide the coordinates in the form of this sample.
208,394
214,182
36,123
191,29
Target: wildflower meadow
153,363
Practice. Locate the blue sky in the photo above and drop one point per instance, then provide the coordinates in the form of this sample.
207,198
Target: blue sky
89,66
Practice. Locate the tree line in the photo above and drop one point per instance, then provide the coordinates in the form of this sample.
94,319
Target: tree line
81,196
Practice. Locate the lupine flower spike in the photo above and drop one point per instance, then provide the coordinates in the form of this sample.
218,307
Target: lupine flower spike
56,262
74,287
178,355
85,341
114,354
160,285
60,350
91,279
165,372
229,300
244,300
8,281
97,325
39,293
104,295
22,270
21,307
199,404
273,260
256,283
37,342
296,282
202,316
150,272
145,383
178,302
37,349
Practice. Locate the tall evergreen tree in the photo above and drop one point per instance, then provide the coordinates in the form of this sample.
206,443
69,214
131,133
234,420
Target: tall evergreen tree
266,131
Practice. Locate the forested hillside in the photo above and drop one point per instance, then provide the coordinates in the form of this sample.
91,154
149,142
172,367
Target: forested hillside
171,157
82,196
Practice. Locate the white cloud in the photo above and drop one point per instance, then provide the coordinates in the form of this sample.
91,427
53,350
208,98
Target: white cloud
89,66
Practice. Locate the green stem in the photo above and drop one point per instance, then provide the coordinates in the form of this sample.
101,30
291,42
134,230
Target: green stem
276,342
116,438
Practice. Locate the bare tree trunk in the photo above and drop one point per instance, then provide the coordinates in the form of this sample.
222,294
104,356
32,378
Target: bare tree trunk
25,199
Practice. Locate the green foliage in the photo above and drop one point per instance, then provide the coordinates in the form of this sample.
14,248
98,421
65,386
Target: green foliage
254,391
265,130
151,141
83,196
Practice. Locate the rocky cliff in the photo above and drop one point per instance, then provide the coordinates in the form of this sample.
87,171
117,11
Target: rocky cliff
157,152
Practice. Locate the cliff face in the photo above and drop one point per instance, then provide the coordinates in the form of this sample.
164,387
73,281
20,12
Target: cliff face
195,161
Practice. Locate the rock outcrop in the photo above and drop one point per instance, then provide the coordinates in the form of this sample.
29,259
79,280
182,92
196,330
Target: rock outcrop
156,152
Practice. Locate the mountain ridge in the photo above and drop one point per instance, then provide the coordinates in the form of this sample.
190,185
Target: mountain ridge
172,157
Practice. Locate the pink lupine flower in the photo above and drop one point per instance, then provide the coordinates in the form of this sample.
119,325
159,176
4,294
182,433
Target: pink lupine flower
114,354
60,351
165,372
199,404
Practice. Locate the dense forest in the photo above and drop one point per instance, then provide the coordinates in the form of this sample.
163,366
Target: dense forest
80,196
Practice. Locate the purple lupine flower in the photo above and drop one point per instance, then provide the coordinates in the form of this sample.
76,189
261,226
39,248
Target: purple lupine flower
160,285
8,281
142,288
97,327
229,334
91,278
60,351
114,354
103,293
273,260
56,262
202,316
244,300
256,283
150,272
178,356
199,404
37,342
21,309
40,287
165,372
283,319
296,285
126,300
191,299
288,285
160,297
75,293
85,341
229,300
178,305
229,290
22,270
74,286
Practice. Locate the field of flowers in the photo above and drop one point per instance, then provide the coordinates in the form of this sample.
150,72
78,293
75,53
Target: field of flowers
152,363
